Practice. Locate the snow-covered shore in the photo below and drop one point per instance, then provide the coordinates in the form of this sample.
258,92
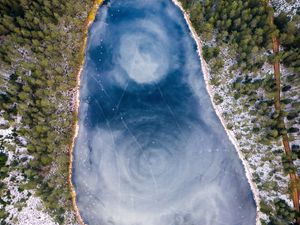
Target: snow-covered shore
90,18
218,111
22,206
76,128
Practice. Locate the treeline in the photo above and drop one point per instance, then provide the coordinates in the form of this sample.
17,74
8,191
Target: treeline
289,35
4,172
290,40
39,45
243,27
242,24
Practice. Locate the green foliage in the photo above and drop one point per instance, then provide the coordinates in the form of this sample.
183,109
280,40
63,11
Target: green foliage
39,44
244,28
292,114
3,159
3,214
210,52
284,214
217,64
265,208
242,24
3,167
218,99
290,40
288,167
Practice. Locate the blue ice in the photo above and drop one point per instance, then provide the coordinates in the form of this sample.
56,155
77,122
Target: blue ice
150,148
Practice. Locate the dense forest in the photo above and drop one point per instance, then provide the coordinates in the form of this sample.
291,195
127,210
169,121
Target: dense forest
39,46
247,29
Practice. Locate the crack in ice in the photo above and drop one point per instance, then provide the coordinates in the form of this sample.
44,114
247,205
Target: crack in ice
150,149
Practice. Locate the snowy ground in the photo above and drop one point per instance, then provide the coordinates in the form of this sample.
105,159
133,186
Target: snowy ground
264,163
261,158
23,207
288,7
34,213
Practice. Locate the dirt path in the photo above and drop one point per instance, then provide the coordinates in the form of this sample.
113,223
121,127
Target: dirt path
285,140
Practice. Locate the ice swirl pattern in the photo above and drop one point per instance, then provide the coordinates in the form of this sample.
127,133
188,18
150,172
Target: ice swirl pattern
150,148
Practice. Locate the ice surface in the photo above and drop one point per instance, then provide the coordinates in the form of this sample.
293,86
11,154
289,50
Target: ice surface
150,148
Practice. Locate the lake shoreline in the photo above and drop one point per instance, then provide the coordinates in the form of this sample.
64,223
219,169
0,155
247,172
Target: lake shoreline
210,91
89,20
205,70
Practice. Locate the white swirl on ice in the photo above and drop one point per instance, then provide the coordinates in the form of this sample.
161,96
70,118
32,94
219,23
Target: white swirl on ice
159,158
143,52
141,58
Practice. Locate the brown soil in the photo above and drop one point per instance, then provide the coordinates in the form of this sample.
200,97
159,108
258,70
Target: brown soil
285,140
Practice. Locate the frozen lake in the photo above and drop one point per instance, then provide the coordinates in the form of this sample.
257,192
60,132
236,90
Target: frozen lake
150,148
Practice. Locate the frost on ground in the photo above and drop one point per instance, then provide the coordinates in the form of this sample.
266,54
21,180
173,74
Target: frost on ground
288,7
264,160
34,213
21,206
